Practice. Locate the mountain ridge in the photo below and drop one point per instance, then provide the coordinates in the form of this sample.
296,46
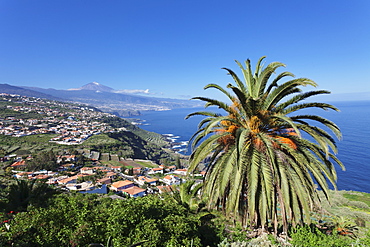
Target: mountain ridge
6,88
105,99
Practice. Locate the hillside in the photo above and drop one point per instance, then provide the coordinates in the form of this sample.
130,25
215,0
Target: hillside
6,88
31,125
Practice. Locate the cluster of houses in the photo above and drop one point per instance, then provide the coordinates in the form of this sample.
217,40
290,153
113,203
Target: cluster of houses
73,128
102,179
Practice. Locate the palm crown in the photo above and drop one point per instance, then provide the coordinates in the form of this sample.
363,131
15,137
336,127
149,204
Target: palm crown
264,160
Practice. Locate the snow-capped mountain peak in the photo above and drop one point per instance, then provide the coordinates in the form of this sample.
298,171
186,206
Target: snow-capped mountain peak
95,86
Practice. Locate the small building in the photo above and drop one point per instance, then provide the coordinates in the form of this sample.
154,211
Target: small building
171,180
100,168
180,172
156,170
69,180
141,180
111,175
171,168
116,168
87,170
53,180
23,175
66,167
104,181
84,186
102,190
42,176
136,170
19,164
121,185
66,158
134,191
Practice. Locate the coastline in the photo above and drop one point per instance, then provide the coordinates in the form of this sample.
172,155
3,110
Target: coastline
352,148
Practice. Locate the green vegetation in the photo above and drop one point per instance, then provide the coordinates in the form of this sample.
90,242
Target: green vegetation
78,220
111,163
187,196
127,145
148,136
357,196
308,237
124,144
4,112
262,169
28,144
54,219
100,140
347,209
22,193
148,164
46,160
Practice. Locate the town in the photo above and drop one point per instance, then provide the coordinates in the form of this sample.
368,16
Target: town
80,169
72,127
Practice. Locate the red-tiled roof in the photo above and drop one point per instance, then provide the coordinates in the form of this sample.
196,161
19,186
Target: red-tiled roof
182,170
86,168
19,163
133,190
66,180
148,180
42,176
121,183
104,180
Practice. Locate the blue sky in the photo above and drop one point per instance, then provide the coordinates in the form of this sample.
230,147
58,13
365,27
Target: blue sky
175,47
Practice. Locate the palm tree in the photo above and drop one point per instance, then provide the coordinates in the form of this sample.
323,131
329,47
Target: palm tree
22,193
264,160
187,196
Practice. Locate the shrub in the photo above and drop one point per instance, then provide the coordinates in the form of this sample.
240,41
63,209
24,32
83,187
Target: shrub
81,219
307,236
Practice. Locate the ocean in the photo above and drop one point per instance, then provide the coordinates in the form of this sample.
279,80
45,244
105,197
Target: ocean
353,150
